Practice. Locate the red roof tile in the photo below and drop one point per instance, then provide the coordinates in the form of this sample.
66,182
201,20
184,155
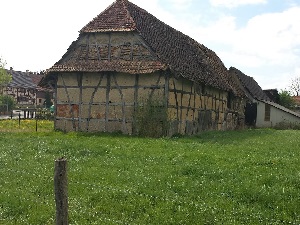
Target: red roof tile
115,18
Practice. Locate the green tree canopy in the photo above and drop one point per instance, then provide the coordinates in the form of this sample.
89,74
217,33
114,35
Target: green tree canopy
5,77
7,103
285,99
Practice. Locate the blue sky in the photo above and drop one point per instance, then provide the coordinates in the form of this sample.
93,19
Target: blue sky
259,37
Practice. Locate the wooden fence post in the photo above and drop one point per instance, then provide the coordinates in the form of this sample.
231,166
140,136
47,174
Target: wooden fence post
19,120
61,191
36,124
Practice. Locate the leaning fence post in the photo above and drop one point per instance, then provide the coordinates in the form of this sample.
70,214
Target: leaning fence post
61,191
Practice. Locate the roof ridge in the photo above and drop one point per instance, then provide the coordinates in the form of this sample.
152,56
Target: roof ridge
118,10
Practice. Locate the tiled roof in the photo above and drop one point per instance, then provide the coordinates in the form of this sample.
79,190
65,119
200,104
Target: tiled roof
235,82
115,18
251,87
171,49
26,80
272,94
21,80
125,66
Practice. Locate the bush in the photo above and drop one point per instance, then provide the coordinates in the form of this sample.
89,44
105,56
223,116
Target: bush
44,114
284,125
151,119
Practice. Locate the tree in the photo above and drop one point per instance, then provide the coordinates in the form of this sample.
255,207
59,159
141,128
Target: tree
295,86
285,99
5,77
7,103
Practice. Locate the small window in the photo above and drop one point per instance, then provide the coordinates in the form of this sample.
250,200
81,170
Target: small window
267,112
229,100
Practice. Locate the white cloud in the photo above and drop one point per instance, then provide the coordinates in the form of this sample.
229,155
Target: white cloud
273,37
180,4
297,71
235,3
181,1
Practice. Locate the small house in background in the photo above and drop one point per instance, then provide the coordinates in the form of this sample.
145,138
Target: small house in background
25,90
126,59
260,110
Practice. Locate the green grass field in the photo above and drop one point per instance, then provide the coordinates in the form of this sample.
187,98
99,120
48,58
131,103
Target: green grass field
234,177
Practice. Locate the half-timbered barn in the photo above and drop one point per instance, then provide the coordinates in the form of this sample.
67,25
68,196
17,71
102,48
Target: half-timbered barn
126,59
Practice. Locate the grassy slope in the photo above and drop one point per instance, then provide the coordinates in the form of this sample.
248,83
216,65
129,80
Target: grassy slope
237,177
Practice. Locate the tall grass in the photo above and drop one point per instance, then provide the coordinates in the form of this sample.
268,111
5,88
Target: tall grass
236,177
26,125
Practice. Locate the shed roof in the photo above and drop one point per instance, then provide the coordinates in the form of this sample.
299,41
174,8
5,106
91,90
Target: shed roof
172,49
282,108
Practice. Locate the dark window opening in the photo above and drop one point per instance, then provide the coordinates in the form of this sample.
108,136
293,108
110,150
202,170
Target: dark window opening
267,112
229,100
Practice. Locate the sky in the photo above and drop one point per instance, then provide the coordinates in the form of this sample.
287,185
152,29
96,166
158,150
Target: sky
261,38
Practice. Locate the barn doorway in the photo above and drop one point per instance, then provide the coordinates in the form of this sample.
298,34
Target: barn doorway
250,114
